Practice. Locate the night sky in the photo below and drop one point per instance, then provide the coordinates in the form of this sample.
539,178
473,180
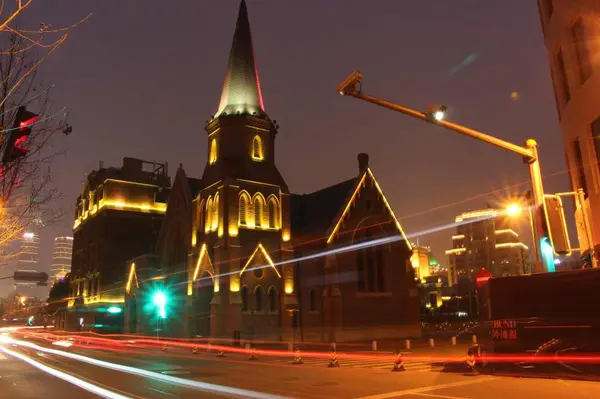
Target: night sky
141,77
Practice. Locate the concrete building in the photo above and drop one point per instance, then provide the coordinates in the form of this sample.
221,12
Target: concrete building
571,33
117,216
234,250
61,257
485,239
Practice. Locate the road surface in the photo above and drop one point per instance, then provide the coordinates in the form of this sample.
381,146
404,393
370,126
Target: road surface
207,376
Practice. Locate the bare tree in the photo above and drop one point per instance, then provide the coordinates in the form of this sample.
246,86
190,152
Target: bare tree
26,193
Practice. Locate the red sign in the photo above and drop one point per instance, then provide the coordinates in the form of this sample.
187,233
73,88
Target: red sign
482,277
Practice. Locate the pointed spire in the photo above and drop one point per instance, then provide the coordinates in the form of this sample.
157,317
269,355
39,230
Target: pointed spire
241,89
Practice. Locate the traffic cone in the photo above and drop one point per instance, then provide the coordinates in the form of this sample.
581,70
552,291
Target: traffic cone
297,357
253,355
333,362
471,361
398,363
220,354
164,348
195,350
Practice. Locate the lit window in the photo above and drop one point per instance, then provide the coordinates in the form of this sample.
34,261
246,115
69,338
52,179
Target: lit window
257,149
207,215
244,199
213,151
258,211
272,213
215,213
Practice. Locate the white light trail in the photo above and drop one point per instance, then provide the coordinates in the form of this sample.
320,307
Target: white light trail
204,386
105,393
354,247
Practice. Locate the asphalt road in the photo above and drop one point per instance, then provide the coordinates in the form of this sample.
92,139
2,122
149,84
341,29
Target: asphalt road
261,377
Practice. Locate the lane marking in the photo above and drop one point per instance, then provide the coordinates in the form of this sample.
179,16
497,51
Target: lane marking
427,388
105,393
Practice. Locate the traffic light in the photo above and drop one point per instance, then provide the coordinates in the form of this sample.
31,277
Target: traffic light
160,300
555,225
15,147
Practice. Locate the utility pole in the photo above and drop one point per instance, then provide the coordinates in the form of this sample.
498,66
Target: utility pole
529,151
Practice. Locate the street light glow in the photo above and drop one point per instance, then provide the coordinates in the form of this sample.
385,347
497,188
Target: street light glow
439,115
513,209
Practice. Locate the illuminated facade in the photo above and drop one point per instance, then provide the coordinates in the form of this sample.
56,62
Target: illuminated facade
117,216
420,261
486,238
235,235
570,31
61,257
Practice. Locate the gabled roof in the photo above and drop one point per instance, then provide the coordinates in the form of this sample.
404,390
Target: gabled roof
241,89
317,210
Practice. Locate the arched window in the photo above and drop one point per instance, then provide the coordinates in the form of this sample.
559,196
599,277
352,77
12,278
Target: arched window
272,213
215,213
213,151
258,211
208,215
244,293
244,200
272,300
200,216
257,149
259,293
313,305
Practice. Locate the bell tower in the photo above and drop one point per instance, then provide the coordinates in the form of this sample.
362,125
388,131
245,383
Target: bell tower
244,201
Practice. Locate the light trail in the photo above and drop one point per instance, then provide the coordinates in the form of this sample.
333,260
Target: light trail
105,393
203,386
361,245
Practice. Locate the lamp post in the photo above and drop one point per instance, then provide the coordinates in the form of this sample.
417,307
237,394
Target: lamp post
436,116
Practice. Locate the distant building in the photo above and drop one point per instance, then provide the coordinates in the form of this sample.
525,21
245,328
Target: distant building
29,259
117,216
419,260
486,239
571,32
61,257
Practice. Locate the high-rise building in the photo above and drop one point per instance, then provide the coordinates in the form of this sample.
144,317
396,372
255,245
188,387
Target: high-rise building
485,239
61,257
29,249
571,33
28,259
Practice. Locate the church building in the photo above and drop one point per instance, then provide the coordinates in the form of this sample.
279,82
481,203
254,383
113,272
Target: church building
240,256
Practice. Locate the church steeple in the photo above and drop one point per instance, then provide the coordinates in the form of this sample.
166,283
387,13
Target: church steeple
241,89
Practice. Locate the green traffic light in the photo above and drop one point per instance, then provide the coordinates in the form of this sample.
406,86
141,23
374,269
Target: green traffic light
160,300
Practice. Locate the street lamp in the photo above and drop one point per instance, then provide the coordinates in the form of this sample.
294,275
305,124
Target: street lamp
513,209
351,86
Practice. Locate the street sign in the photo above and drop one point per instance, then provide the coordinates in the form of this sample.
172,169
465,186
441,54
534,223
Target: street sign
482,277
30,276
